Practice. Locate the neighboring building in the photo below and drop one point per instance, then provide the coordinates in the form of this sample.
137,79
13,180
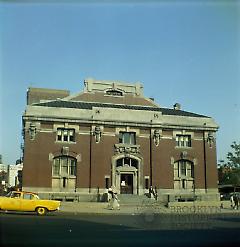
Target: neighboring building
14,175
3,168
112,135
10,175
3,173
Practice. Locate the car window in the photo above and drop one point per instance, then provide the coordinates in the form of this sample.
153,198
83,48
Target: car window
36,197
28,196
16,195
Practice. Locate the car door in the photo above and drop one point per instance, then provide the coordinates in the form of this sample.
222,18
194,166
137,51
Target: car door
28,202
13,202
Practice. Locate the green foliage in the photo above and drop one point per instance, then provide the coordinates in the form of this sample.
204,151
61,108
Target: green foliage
234,157
229,173
229,177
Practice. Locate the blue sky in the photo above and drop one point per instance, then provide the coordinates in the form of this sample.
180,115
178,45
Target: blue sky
182,51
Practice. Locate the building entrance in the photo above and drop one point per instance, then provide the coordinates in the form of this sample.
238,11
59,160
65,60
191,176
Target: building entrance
126,174
126,184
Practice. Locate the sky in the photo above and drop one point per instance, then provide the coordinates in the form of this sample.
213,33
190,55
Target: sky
181,51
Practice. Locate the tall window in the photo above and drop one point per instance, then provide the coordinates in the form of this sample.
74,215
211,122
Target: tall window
64,166
183,140
127,138
65,135
183,174
184,168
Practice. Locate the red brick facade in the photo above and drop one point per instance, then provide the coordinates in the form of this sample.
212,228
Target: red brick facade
126,141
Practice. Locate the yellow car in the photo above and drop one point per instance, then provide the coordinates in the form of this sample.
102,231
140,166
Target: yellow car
28,202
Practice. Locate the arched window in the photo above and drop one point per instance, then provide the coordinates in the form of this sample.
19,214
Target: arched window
183,174
127,161
114,92
64,166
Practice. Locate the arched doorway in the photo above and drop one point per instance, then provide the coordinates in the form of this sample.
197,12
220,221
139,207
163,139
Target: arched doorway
126,174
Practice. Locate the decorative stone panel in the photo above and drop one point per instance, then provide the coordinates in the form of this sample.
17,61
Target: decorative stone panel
157,133
65,151
210,139
127,149
97,133
32,131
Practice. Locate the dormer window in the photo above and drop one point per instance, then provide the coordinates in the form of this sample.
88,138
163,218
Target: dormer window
114,92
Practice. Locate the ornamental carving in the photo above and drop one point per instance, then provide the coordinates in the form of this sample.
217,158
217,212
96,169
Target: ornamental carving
127,149
65,151
184,155
210,139
97,133
32,131
156,136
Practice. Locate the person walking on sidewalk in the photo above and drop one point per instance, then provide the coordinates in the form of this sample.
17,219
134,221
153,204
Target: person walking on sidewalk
156,193
232,201
115,204
235,199
114,201
151,192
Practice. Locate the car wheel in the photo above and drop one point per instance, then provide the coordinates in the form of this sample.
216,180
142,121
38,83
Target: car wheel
41,211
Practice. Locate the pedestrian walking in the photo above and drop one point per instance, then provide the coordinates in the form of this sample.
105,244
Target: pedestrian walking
151,192
236,201
115,204
232,201
114,201
156,194
109,194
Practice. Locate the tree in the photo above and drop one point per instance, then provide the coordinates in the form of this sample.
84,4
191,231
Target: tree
229,173
234,157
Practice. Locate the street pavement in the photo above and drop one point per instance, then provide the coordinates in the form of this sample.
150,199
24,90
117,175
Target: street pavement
146,224
82,229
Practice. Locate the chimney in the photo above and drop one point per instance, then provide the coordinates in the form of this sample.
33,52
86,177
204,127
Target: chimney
177,106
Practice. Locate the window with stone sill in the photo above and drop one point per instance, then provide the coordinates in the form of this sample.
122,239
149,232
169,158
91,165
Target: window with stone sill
183,174
65,135
183,169
64,166
127,138
183,141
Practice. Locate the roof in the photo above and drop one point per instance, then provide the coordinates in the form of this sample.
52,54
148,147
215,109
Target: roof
90,105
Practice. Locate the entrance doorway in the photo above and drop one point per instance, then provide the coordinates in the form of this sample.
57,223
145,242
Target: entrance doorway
126,184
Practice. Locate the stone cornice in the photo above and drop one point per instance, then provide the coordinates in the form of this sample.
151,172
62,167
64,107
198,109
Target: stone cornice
106,116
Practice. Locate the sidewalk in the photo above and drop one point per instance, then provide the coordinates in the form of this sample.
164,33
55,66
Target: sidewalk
155,208
95,208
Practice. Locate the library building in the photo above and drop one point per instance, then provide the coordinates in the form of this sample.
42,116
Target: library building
111,135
